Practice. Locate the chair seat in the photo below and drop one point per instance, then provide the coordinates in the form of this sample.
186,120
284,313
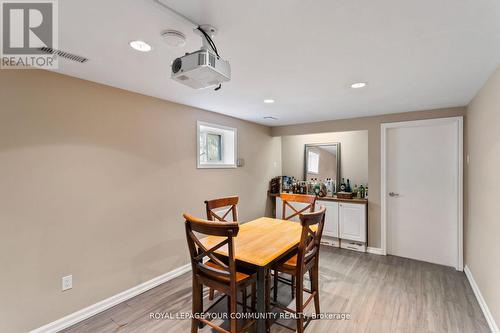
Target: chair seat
288,266
240,277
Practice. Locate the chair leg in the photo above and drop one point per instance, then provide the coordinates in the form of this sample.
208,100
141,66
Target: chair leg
314,275
254,296
293,286
275,286
211,294
299,303
233,309
244,298
268,297
197,305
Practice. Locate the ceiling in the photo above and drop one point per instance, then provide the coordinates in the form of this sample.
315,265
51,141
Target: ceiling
414,55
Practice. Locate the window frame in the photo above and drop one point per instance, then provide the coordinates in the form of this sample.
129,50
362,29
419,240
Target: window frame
217,130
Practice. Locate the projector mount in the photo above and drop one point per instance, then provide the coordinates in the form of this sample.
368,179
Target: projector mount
205,31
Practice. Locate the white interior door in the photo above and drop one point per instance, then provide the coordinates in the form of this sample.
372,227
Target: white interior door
423,190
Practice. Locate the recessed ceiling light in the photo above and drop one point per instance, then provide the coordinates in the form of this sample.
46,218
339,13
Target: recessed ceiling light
270,118
358,85
140,45
269,101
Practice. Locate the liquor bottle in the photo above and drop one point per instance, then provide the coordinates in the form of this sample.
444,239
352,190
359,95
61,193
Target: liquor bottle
361,191
348,187
342,186
366,191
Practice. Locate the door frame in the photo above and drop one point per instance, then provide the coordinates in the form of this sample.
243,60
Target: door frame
383,194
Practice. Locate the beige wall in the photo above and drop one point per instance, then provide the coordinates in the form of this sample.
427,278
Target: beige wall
482,230
353,153
372,125
93,183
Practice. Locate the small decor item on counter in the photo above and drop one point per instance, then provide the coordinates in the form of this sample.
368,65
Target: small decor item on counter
275,185
348,186
342,186
345,195
286,184
319,189
316,188
330,187
295,186
355,191
303,187
323,191
361,191
366,191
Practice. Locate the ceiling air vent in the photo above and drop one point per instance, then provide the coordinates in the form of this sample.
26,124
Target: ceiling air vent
64,55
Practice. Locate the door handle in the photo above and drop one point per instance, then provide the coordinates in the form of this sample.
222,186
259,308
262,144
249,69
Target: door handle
392,194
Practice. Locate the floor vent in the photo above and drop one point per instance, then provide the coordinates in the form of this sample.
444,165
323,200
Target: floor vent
64,55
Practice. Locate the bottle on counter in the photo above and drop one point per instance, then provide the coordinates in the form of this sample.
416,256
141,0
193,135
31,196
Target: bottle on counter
361,191
329,187
348,186
355,191
342,186
366,191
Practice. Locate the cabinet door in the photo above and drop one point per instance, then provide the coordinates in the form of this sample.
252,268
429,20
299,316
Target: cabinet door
331,227
277,213
352,221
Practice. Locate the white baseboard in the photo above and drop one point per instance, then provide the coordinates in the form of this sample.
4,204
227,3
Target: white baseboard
103,305
375,250
481,301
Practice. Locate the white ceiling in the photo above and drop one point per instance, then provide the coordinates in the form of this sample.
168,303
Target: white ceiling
304,54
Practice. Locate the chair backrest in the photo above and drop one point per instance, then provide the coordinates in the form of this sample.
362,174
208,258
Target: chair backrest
230,202
288,198
198,252
310,240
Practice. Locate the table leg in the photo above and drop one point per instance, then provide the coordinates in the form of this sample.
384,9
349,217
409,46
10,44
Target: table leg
261,299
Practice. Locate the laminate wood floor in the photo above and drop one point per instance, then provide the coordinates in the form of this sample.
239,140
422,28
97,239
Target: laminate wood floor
380,293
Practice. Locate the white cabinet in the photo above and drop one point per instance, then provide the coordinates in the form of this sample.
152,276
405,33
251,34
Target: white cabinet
297,205
331,227
343,220
352,221
279,207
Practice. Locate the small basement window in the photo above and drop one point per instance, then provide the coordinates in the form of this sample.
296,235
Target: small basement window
216,146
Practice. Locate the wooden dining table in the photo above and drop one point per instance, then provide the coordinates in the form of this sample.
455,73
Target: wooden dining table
259,245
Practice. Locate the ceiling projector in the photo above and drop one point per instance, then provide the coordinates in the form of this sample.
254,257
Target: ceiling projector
203,68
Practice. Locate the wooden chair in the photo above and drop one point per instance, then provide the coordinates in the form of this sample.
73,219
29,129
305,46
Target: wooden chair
288,199
212,215
230,202
306,260
215,273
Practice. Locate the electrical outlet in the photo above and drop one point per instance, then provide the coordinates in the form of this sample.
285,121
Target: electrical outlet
67,282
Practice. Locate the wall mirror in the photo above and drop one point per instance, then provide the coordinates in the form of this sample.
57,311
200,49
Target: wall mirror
322,161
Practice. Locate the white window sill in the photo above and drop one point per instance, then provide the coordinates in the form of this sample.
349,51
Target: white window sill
217,166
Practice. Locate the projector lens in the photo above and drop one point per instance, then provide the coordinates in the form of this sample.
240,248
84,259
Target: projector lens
176,66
